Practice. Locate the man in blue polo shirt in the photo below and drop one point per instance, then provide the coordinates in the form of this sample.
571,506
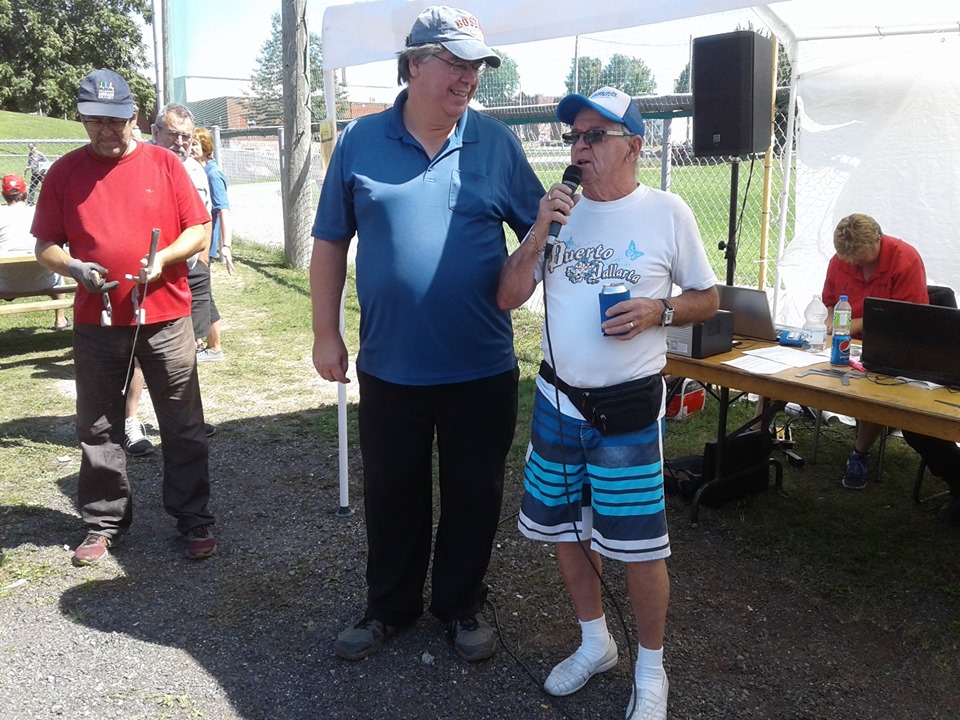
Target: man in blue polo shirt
426,187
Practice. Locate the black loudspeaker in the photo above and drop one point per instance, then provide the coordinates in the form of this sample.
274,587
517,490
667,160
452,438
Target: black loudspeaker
732,94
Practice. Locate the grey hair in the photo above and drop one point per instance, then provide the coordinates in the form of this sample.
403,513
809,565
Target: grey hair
178,109
416,52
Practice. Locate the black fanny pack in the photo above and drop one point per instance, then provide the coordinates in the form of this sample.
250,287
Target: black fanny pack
616,409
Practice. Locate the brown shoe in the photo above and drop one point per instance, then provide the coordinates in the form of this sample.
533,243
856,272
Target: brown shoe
91,550
200,542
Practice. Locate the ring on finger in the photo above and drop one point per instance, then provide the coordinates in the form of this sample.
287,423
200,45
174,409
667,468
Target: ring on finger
631,324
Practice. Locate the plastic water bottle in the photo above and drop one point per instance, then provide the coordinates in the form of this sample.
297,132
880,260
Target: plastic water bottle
815,325
840,350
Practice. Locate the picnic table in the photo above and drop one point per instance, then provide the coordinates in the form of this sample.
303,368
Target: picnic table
13,308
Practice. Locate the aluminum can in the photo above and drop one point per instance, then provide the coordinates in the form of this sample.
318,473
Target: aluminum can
840,350
610,295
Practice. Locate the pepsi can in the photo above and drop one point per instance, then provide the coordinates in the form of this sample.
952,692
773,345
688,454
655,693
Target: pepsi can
610,295
840,350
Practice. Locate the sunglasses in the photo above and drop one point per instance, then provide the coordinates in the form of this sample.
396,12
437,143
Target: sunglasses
591,136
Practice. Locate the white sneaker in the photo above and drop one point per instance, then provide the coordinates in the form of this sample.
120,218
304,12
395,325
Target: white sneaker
652,706
136,443
574,672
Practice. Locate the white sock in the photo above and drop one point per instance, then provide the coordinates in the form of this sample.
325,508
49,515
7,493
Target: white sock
595,638
650,673
129,424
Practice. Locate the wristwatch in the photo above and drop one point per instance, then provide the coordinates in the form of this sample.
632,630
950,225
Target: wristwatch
667,317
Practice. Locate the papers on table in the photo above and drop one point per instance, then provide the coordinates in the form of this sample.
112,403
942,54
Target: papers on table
776,358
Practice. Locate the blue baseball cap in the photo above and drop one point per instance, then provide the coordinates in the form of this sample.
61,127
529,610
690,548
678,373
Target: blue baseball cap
611,103
456,30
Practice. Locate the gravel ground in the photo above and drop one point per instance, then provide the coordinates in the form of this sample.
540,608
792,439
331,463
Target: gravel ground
246,634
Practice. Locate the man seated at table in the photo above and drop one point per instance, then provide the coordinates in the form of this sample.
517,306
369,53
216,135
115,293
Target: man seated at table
871,264
16,217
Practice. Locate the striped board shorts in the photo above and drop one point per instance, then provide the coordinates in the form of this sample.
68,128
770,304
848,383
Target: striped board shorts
580,485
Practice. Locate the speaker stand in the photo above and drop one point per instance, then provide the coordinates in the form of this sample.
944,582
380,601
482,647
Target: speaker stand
730,246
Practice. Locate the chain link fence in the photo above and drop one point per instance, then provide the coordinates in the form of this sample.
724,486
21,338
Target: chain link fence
669,163
251,160
15,159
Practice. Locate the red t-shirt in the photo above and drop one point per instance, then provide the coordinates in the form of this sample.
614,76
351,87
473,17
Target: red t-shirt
106,210
900,275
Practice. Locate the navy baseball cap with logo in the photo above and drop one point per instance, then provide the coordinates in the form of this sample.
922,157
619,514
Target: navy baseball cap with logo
103,93
611,103
457,30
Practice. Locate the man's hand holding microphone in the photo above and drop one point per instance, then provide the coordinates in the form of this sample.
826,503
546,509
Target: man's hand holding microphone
560,199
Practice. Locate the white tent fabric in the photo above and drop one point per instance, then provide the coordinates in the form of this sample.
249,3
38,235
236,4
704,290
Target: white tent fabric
364,32
879,131
879,134
876,84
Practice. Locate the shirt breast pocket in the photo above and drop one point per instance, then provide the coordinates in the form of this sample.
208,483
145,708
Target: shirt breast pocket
470,193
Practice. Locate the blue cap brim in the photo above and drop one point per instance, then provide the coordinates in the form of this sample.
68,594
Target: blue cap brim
112,110
572,105
472,50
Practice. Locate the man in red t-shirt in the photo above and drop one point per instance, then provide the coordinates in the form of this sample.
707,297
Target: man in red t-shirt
871,264
105,199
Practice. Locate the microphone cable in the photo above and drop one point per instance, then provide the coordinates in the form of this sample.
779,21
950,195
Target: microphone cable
548,250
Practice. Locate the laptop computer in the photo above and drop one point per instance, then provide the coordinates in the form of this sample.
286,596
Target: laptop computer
921,342
751,312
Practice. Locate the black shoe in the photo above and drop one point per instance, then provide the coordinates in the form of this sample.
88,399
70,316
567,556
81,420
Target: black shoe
473,638
209,429
364,638
950,513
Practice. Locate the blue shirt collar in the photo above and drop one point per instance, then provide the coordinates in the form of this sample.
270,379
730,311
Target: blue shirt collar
465,131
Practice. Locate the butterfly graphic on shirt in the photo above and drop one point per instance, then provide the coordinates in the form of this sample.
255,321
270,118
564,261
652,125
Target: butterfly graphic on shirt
632,251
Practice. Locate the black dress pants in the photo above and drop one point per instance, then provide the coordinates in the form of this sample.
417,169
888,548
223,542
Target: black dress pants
473,423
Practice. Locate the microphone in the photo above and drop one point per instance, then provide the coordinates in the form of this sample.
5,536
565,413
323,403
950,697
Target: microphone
571,178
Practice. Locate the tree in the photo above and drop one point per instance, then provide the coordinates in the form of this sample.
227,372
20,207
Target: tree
588,78
266,98
48,46
682,83
500,86
629,74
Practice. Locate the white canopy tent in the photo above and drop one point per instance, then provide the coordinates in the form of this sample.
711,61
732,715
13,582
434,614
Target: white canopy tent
876,85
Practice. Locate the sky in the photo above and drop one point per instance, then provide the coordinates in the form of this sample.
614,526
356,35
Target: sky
207,47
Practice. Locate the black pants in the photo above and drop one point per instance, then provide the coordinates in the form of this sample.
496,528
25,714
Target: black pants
941,456
203,310
474,424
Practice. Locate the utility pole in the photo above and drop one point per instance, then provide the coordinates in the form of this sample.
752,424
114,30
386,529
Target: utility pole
295,183
167,94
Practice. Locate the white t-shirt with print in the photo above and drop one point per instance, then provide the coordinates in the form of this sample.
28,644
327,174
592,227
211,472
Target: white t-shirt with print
647,240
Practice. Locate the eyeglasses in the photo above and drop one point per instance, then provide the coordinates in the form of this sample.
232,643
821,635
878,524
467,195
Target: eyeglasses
460,68
99,123
592,136
179,137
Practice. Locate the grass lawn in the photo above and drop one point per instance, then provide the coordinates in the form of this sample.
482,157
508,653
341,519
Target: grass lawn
854,546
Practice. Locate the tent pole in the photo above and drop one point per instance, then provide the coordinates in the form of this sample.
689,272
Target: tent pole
787,177
330,99
767,177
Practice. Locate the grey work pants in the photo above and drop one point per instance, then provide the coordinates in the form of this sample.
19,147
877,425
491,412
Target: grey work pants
167,355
